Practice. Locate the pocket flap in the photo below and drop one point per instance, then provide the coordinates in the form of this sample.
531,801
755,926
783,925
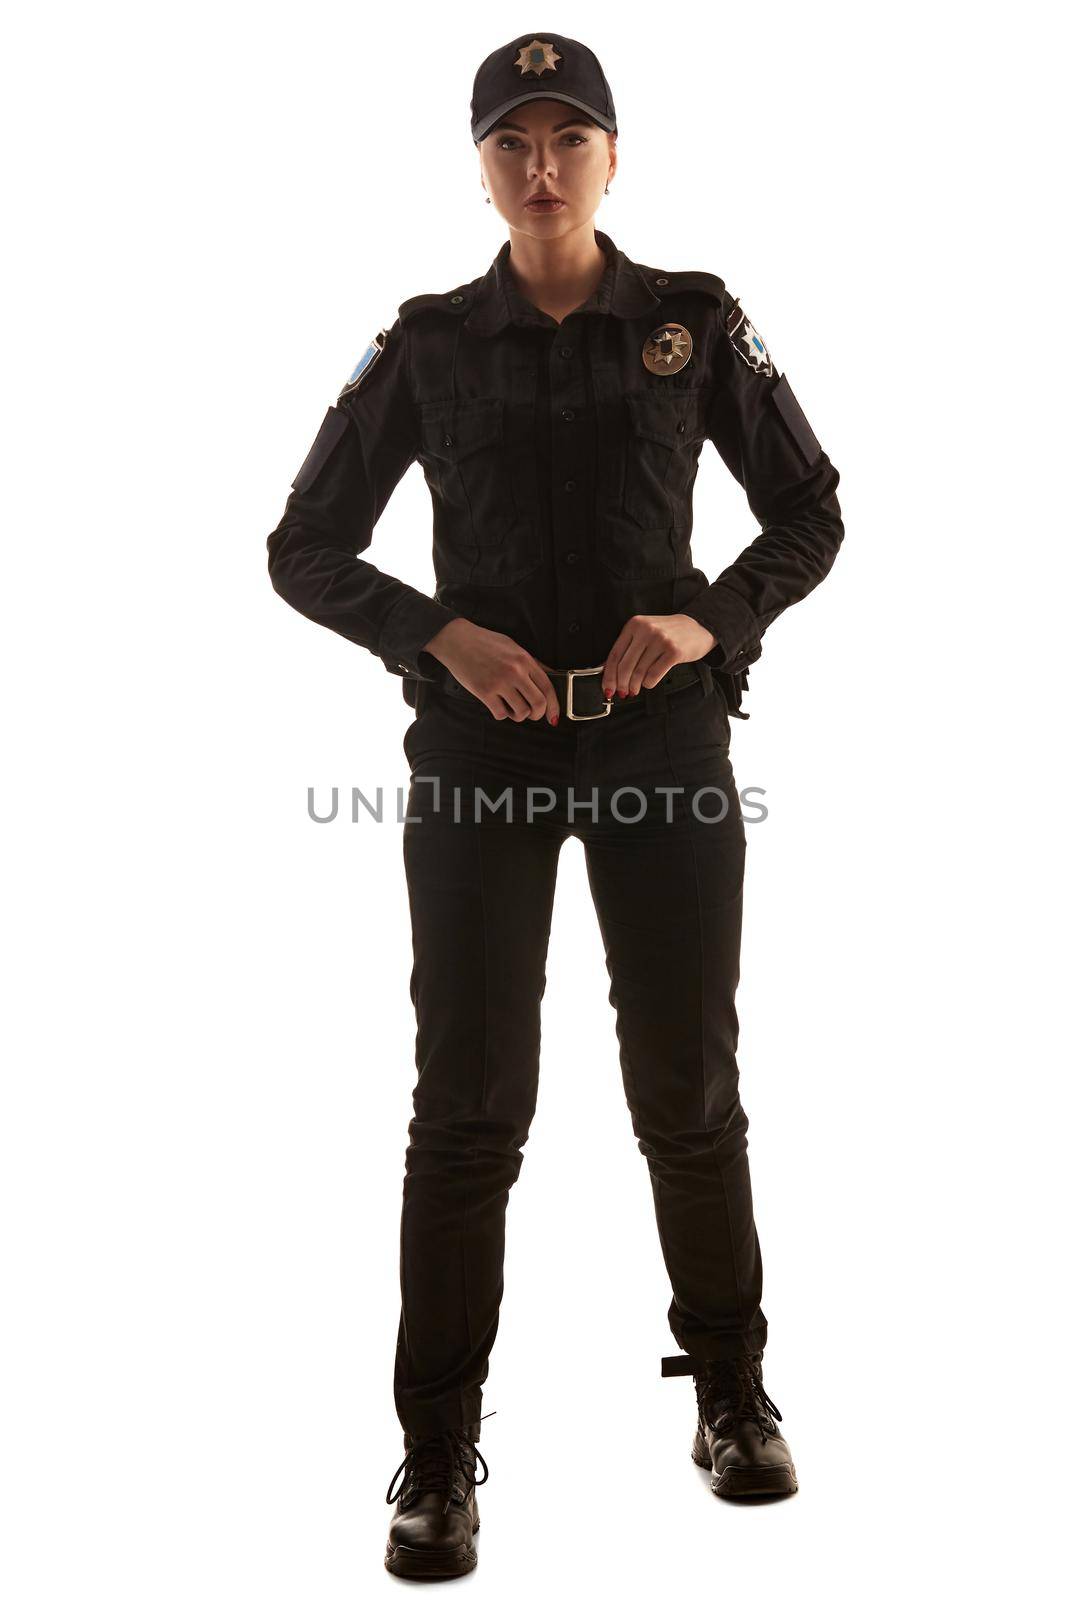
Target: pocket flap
451,430
672,419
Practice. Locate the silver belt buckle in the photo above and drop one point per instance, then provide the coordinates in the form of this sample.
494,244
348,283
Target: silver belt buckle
583,672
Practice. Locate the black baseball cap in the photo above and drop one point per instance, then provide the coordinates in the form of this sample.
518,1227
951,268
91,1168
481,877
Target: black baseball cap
540,66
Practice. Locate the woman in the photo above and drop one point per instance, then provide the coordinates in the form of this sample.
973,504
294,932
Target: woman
574,674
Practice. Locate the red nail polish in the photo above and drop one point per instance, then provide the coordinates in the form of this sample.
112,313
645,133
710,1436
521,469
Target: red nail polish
553,720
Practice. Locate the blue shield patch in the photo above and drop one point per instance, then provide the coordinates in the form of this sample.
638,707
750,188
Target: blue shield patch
364,364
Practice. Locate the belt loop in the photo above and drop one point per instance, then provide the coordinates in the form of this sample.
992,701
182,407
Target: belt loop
421,688
707,681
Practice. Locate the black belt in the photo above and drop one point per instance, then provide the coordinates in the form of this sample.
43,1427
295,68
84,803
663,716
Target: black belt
580,690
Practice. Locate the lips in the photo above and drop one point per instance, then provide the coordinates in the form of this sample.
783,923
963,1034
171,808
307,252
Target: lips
544,202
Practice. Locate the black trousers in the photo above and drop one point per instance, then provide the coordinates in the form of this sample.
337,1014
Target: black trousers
666,871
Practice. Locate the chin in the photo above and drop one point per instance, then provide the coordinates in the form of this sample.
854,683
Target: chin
553,226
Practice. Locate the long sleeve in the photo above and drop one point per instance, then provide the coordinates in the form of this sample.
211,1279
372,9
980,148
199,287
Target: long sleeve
761,433
366,443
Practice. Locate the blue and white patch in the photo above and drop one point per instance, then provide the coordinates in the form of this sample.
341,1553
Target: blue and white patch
748,344
364,364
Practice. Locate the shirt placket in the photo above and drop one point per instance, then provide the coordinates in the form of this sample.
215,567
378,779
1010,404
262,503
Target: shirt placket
572,445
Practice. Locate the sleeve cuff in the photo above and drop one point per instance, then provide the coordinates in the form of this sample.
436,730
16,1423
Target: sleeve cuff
409,627
733,622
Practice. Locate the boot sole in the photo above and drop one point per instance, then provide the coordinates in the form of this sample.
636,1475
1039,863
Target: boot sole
739,1483
431,1565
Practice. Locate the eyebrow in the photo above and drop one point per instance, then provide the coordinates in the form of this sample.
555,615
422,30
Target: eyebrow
517,127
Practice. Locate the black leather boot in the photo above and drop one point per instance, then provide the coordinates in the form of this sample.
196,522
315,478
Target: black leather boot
737,1439
432,1531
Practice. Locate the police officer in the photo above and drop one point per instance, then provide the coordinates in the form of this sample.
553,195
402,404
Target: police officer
571,654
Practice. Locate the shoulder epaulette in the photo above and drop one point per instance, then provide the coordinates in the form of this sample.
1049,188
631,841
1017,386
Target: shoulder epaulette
667,283
456,300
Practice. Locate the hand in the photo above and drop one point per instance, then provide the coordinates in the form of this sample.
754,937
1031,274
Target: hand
647,648
508,679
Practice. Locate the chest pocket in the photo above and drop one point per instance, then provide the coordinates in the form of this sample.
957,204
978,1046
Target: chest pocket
664,436
482,532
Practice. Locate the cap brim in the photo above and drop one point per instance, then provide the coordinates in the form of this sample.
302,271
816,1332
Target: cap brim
485,124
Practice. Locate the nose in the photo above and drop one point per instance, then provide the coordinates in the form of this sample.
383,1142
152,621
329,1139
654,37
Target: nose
541,162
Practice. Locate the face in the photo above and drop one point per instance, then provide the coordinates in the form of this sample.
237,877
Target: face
546,146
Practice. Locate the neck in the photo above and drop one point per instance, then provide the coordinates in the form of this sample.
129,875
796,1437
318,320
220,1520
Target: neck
557,274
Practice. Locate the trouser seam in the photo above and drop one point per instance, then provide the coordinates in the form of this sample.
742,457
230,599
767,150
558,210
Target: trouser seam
703,1049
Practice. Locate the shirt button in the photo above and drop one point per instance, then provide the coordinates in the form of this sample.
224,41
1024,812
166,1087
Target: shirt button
573,627
566,352
568,416
681,427
572,557
570,486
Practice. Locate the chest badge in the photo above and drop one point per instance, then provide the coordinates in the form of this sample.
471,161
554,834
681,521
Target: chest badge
667,349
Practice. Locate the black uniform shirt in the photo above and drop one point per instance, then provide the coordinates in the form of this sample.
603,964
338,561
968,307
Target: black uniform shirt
561,471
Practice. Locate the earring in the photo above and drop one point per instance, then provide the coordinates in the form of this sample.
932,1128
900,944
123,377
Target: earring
606,189
488,199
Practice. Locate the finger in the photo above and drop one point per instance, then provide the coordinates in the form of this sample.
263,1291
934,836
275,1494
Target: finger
610,670
519,708
657,669
503,710
542,684
627,665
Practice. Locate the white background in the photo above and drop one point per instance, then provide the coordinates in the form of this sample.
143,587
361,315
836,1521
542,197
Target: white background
211,210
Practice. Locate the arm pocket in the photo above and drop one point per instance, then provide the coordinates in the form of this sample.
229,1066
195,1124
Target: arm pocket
332,427
800,430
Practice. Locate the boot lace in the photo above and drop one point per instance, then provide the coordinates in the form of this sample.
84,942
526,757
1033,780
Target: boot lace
444,1461
729,1392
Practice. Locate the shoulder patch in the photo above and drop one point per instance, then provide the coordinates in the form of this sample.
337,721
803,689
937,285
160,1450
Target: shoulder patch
747,342
666,283
455,301
365,362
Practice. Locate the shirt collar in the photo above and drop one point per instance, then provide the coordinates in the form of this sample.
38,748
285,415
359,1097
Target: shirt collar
621,292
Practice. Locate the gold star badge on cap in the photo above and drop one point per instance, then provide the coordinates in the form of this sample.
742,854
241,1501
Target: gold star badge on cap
537,56
667,349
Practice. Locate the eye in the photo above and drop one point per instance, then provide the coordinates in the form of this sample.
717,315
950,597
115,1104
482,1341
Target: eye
508,141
